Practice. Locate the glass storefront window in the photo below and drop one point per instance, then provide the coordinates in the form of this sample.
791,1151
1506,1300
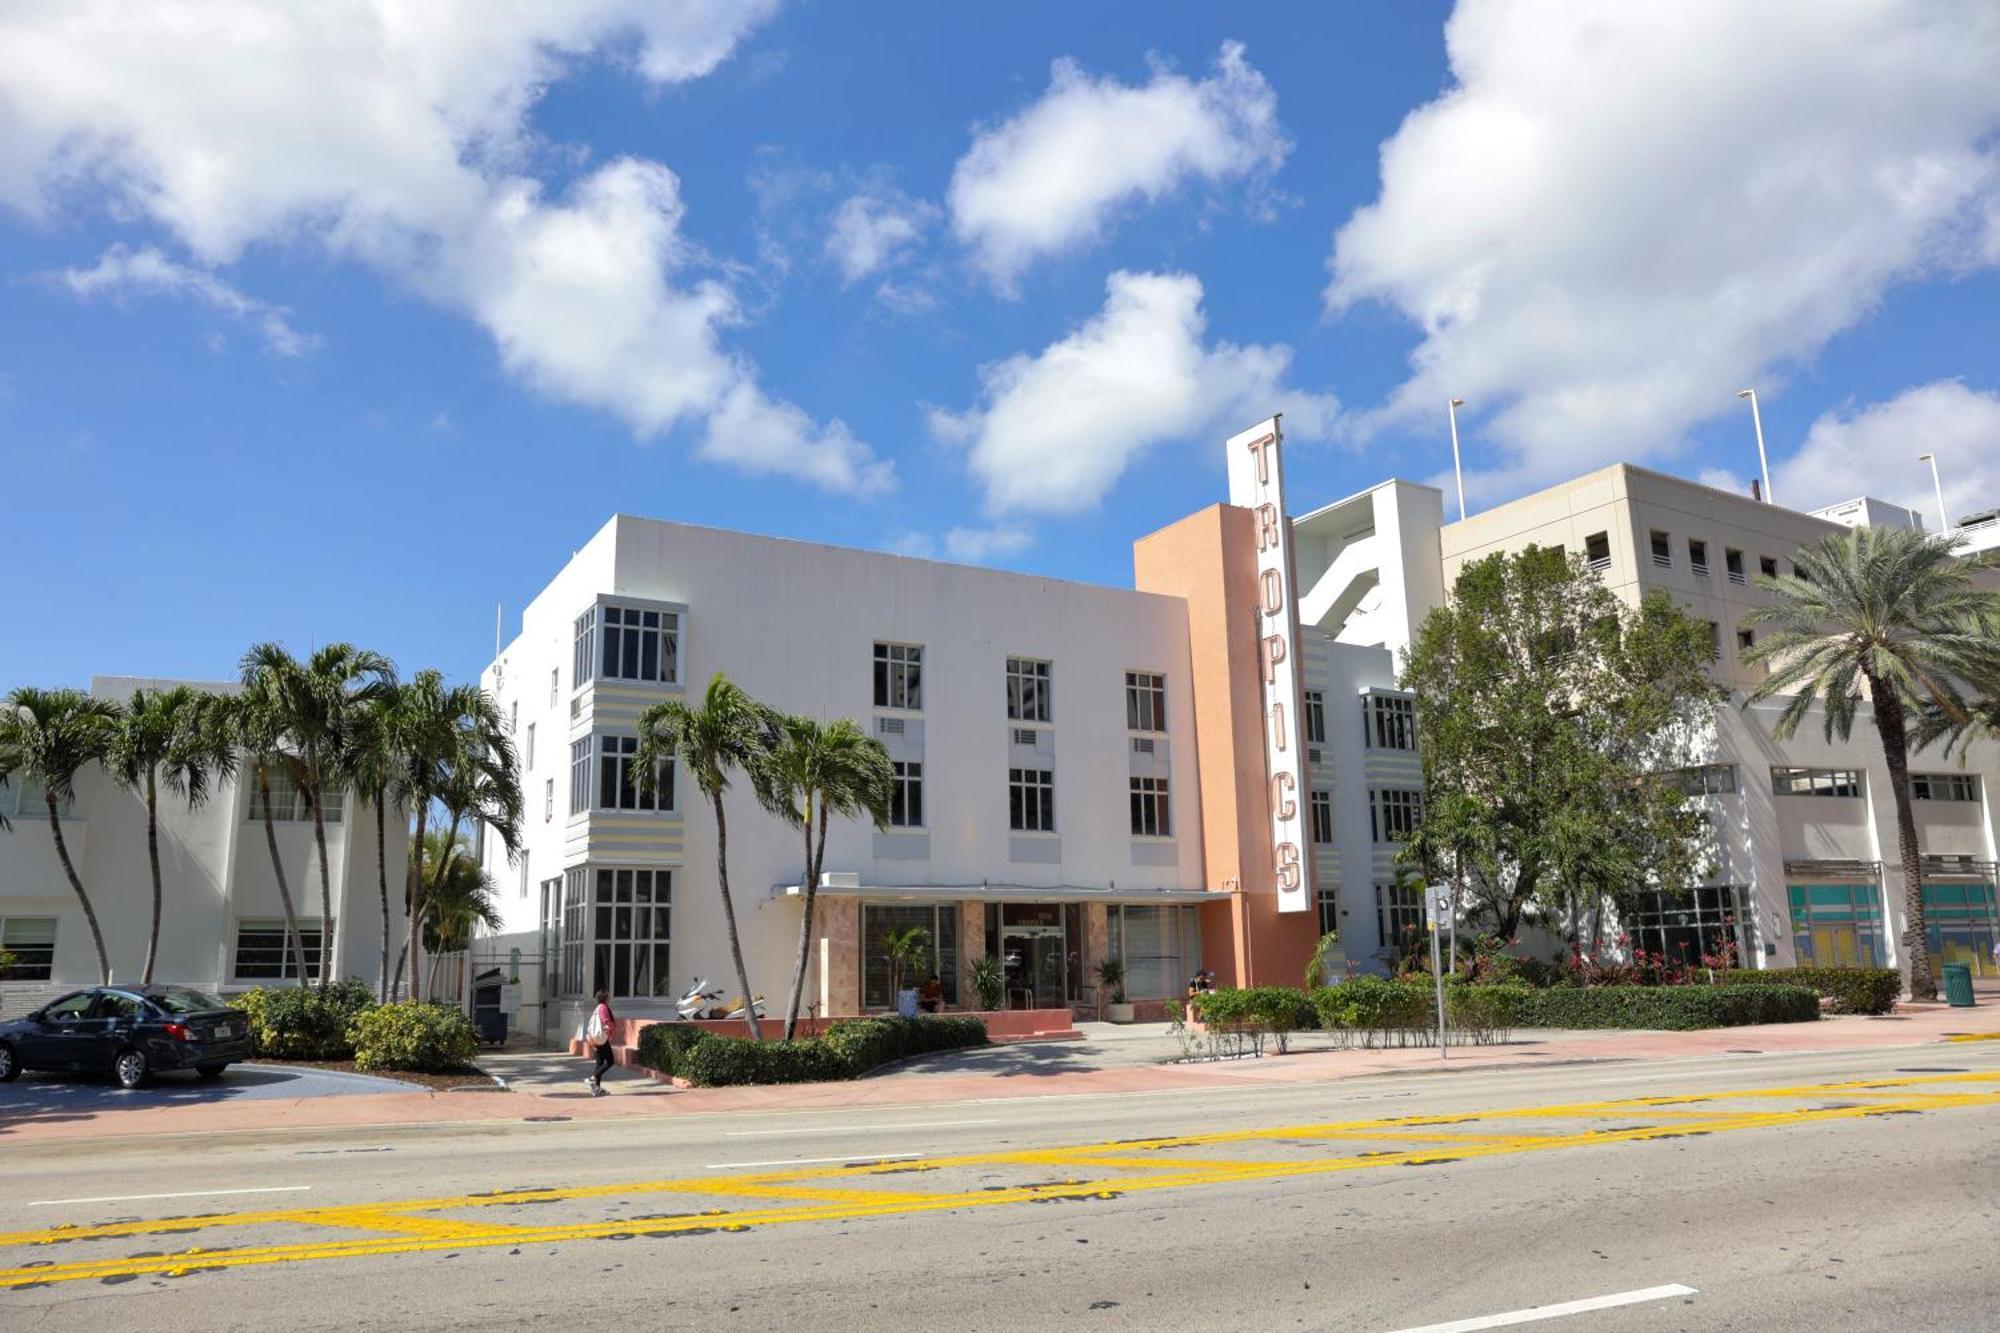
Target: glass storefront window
1688,928
1961,922
1837,925
1161,947
878,919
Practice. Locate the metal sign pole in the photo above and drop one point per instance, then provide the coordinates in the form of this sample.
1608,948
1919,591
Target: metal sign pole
1438,901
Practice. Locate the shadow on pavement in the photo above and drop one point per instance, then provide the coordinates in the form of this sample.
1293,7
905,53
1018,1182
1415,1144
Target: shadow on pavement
43,1098
1030,1059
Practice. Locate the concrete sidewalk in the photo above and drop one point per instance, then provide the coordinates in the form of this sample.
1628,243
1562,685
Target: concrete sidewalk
549,1085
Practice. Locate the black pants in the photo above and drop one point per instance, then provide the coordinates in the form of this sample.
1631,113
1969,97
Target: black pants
603,1054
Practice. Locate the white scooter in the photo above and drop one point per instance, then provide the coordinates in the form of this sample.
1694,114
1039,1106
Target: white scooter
701,1002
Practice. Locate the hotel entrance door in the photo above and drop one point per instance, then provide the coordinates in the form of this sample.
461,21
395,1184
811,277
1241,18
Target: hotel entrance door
1034,959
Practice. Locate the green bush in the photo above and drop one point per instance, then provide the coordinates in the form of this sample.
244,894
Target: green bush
1484,1015
1376,1010
1278,1010
425,1038
846,1050
1679,1008
305,1023
1853,990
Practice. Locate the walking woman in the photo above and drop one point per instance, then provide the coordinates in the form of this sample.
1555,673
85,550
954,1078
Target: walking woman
597,1041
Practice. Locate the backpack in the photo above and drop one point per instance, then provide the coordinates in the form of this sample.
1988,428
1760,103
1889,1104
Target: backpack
594,1034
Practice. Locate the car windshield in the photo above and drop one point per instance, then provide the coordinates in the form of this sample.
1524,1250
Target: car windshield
183,1001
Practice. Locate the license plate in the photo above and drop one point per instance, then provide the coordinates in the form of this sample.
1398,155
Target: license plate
224,1030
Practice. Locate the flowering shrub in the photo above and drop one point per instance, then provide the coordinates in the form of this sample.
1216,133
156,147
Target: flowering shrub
425,1038
304,1022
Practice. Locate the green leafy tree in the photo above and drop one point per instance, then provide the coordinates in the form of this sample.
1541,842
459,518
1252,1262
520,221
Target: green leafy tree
179,739
1893,617
1552,715
458,897
47,737
812,771
727,731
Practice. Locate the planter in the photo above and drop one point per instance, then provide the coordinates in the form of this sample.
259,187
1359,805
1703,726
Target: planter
1119,1013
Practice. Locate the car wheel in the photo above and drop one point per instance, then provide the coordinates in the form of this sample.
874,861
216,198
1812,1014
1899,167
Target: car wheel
130,1068
210,1071
10,1064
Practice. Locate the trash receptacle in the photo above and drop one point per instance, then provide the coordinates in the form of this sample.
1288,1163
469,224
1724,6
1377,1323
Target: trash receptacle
487,1017
1958,985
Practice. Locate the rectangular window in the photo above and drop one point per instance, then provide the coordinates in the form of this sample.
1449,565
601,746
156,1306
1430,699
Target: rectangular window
1160,947
906,797
1395,813
1689,928
1746,639
1708,780
1399,913
1315,717
1944,786
574,928
528,750
1389,721
1698,557
31,942
1031,800
1837,925
548,800
288,803
899,676
1145,701
633,911
264,951
1663,550
1329,915
1767,566
1150,816
584,665
618,777
1597,551
1027,690
1815,782
940,920
555,684
640,644
1732,562
579,776
1322,818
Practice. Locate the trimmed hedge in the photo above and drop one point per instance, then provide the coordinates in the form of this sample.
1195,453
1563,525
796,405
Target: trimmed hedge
1853,990
1379,1011
845,1050
303,1022
1677,1008
425,1038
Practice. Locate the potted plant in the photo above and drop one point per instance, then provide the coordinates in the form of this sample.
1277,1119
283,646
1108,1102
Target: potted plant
989,979
909,949
1111,976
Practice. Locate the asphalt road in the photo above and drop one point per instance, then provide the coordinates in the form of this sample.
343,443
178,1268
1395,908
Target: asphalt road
1781,1192
44,1095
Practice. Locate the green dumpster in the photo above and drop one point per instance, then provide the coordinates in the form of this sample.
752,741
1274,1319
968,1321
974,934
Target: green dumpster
1958,985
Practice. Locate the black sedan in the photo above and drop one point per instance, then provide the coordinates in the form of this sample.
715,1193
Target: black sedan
129,1032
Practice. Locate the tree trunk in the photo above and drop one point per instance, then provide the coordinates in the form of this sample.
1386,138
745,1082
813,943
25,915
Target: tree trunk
278,869
382,880
815,855
396,984
325,893
415,945
69,870
153,857
1915,955
729,919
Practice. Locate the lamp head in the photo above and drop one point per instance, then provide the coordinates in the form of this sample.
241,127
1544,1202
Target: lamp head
1746,393
1458,402
1924,458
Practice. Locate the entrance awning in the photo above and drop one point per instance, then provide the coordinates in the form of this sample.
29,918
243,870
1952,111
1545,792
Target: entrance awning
837,885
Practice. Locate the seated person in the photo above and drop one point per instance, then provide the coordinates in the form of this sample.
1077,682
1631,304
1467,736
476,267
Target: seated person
930,997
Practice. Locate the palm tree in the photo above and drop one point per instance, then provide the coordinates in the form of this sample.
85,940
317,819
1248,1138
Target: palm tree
813,771
460,896
728,730
256,723
48,737
374,768
1894,613
175,738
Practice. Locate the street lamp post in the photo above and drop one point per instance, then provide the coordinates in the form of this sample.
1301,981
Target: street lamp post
1944,524
1757,420
1451,408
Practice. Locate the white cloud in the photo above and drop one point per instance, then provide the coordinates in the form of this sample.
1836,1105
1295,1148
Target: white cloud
872,229
1618,215
1872,450
1053,176
122,271
968,546
399,137
1057,429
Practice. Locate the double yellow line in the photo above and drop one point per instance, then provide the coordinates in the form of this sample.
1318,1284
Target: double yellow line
875,1189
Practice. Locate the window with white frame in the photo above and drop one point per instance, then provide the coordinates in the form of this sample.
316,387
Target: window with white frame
899,676
31,942
575,925
1399,912
264,950
548,800
1328,901
1844,782
618,777
1390,721
583,665
1315,717
639,644
1944,786
1151,817
288,802
22,798
1031,800
1395,812
528,751
1322,818
579,776
555,684
1145,701
906,795
1027,690
634,926
1707,780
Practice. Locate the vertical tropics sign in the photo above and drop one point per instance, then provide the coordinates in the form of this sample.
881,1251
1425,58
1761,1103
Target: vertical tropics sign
1257,483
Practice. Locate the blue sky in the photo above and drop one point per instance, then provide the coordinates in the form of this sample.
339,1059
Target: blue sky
353,331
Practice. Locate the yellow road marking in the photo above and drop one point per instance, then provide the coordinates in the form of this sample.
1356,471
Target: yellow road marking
830,1193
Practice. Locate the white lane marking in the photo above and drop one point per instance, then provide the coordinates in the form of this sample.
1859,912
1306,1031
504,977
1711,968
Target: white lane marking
1535,1313
815,1161
178,1194
850,1129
